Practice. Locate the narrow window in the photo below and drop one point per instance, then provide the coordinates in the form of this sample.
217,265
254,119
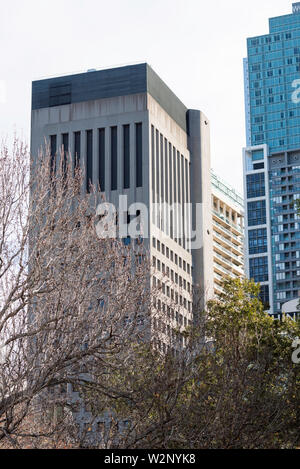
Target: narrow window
89,159
171,188
53,149
166,171
153,163
114,158
65,143
183,182
139,154
126,156
101,176
162,168
157,166
77,150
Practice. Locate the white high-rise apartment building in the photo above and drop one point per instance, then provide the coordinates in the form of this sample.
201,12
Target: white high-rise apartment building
228,232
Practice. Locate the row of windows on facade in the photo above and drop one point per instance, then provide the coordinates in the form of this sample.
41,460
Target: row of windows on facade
287,293
275,92
283,181
276,124
287,130
292,276
172,294
276,145
283,188
293,246
276,72
269,100
173,336
284,296
287,260
269,39
102,428
100,153
271,51
274,119
280,214
275,77
169,254
174,348
160,326
274,53
275,128
291,189
279,85
221,209
219,266
259,273
257,213
290,255
258,67
173,276
288,169
279,202
170,183
287,265
288,221
229,237
289,236
228,256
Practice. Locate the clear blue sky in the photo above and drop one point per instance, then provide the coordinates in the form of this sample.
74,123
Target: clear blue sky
196,47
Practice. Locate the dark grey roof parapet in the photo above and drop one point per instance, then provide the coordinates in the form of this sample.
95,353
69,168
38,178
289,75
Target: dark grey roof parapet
121,81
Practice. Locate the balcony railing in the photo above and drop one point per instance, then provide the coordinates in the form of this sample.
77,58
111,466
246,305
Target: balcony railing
228,222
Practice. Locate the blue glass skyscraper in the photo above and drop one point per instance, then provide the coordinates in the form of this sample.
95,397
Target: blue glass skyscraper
272,160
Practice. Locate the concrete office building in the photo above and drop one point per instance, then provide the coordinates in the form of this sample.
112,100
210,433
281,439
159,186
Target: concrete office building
272,160
136,138
228,232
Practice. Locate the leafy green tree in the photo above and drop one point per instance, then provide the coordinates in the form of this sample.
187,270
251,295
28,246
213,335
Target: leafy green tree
239,390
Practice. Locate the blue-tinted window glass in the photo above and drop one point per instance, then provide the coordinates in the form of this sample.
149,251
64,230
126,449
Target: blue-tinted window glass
259,269
257,213
258,242
257,154
255,185
60,94
265,296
